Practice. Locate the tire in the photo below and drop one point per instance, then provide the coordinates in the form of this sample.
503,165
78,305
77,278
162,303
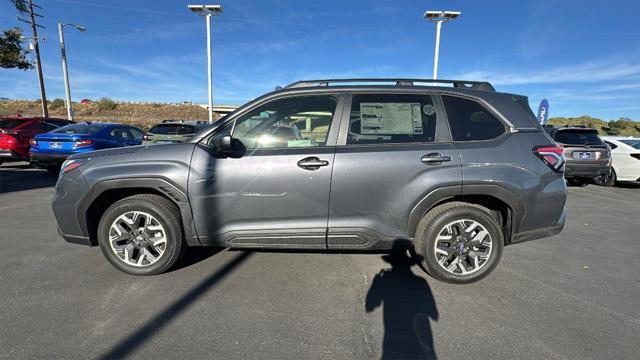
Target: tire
53,169
138,254
606,180
577,182
434,225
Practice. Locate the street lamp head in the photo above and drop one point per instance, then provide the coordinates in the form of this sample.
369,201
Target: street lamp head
80,28
206,9
445,16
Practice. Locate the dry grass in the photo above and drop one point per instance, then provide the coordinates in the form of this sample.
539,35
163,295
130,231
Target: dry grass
141,115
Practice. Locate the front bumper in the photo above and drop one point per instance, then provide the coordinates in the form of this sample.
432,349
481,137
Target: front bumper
574,169
70,190
541,233
48,159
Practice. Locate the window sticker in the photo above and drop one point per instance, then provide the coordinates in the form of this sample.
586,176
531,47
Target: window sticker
391,118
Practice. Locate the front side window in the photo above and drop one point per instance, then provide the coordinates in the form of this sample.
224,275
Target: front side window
291,123
391,118
470,121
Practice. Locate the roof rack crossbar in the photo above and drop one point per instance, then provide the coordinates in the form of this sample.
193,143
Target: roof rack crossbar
464,84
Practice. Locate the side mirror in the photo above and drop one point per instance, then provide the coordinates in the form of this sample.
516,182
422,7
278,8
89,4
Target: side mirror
224,143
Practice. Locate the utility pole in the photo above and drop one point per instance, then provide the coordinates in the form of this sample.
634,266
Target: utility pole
439,17
208,11
36,46
65,72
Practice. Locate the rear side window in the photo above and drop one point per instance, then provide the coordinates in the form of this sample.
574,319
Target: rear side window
173,129
578,137
87,129
470,121
392,118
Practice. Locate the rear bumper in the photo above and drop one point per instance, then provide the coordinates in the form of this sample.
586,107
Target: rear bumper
48,159
541,233
10,155
573,169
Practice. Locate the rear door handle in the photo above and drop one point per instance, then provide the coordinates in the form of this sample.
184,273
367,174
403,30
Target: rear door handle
312,163
435,158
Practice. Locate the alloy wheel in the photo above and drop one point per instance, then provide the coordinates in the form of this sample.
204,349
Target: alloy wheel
463,247
137,238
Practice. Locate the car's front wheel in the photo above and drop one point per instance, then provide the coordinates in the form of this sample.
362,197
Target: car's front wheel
142,234
459,242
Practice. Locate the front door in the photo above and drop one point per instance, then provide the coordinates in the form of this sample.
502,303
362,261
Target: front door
272,188
394,150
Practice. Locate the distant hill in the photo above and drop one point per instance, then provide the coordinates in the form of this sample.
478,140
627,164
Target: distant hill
620,127
146,115
141,115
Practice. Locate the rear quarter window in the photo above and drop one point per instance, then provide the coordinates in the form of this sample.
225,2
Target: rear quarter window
470,121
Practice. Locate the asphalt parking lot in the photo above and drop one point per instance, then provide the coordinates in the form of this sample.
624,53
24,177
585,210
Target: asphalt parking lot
573,296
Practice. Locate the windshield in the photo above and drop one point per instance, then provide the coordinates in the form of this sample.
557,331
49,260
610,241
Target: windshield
634,143
578,137
10,123
173,129
74,129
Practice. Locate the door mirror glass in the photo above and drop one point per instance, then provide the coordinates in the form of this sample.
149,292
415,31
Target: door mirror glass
224,143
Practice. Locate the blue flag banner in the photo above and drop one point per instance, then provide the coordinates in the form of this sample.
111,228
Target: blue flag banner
543,111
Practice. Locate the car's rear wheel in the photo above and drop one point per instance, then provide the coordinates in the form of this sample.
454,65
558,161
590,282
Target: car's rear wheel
142,234
459,242
606,180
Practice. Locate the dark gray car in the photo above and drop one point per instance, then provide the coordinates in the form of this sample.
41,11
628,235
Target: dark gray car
456,173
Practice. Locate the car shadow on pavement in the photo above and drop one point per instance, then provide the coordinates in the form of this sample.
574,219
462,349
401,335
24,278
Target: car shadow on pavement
20,177
131,342
408,306
194,255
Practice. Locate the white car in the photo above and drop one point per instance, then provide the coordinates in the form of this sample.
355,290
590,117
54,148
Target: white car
625,156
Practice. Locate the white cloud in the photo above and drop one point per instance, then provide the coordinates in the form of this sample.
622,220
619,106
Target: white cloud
584,72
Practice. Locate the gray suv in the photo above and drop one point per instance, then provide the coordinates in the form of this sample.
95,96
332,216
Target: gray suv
454,172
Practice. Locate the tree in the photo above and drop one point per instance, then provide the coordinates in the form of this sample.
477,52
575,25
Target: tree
12,54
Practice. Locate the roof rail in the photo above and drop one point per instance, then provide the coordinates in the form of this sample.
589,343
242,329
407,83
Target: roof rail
464,84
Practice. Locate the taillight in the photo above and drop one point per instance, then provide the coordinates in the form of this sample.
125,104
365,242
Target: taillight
69,165
33,142
146,137
7,132
637,156
550,155
82,143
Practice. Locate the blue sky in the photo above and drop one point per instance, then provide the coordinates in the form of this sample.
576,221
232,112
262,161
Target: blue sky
583,56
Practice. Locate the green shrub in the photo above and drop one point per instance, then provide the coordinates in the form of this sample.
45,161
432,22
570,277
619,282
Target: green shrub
57,104
106,104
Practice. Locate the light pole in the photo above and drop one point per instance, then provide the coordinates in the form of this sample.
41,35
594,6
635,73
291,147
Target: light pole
64,65
208,11
439,17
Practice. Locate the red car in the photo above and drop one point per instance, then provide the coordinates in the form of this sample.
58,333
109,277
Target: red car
16,131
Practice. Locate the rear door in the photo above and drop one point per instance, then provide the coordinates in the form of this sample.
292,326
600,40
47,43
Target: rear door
272,190
393,150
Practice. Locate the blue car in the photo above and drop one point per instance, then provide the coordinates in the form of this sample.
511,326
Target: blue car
50,149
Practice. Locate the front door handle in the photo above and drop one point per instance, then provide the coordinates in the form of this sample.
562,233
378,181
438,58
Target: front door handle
435,158
312,163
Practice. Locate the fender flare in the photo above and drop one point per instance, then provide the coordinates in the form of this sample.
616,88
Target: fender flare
442,194
163,186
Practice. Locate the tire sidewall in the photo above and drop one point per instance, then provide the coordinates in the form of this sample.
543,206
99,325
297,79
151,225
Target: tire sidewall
429,260
174,240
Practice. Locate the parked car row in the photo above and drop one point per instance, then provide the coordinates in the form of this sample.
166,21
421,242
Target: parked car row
591,158
47,142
